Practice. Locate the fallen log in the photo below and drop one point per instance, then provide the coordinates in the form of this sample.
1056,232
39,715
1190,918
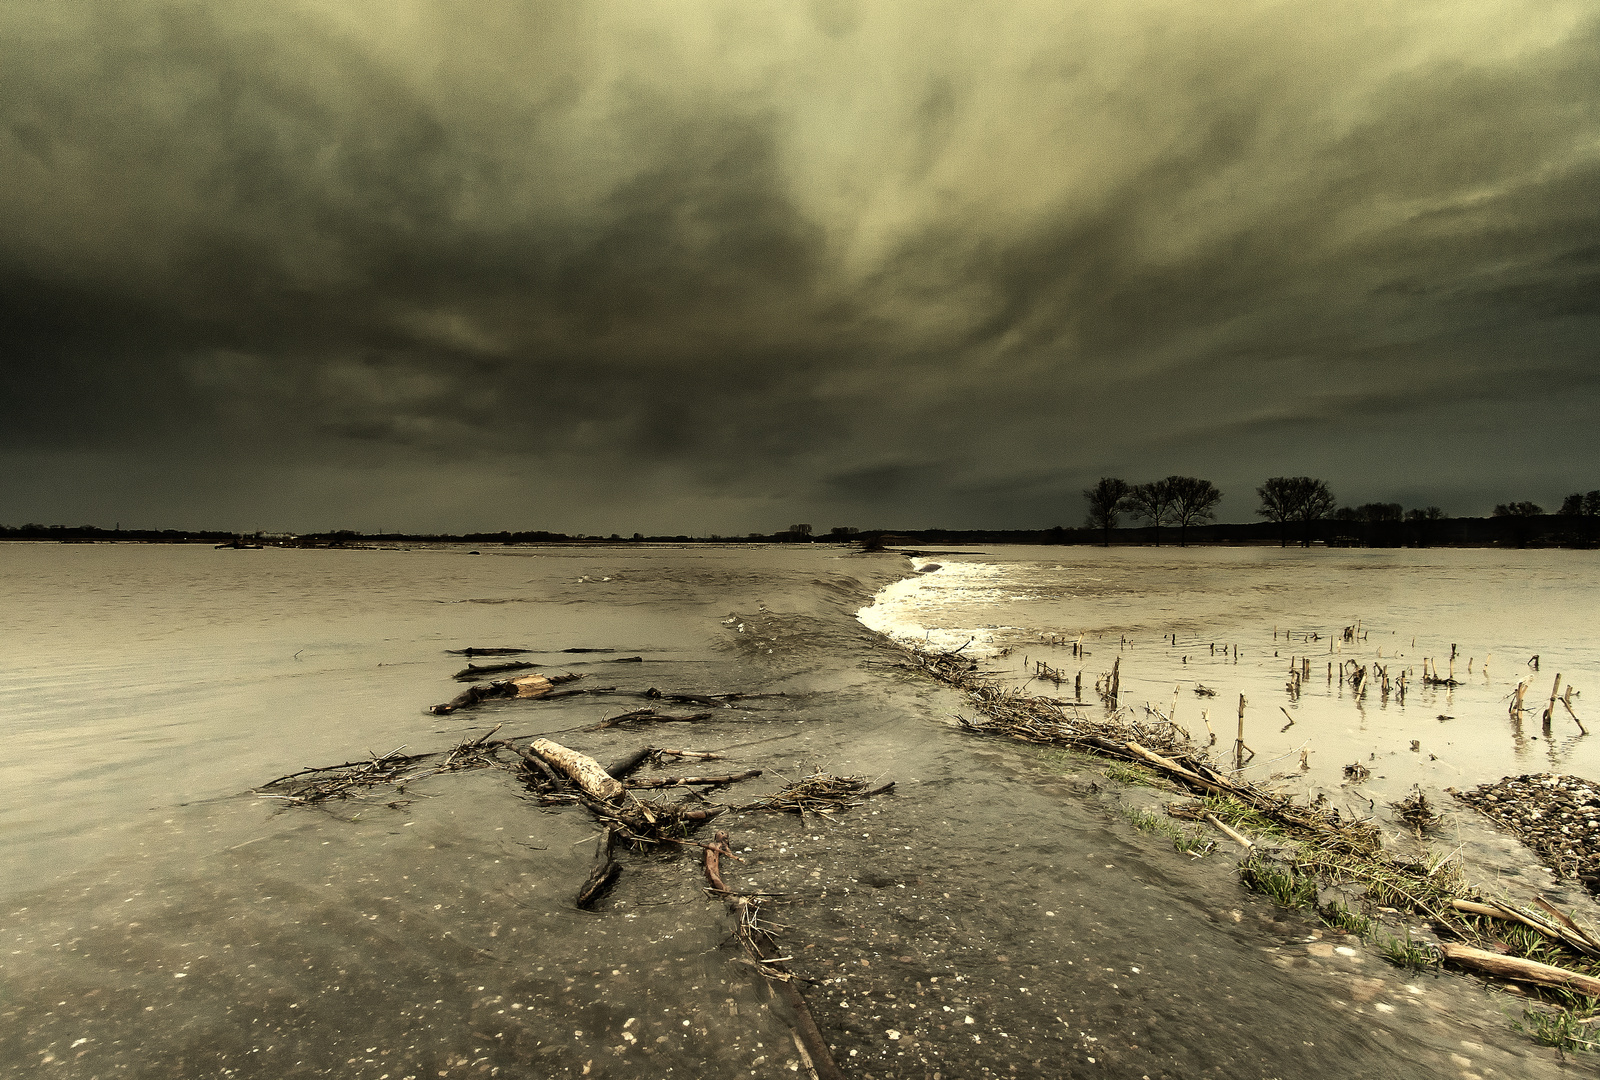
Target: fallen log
688,781
498,651
581,769
536,764
697,755
1511,967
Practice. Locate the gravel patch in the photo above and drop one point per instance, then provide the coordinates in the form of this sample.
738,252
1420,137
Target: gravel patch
1557,816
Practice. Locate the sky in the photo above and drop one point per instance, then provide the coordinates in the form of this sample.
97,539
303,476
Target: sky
722,267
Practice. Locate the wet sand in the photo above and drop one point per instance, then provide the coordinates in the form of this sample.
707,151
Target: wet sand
996,916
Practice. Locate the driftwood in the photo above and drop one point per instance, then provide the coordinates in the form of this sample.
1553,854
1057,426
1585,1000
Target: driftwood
696,755
581,769
1511,967
649,716
1232,834
472,672
819,793
629,763
537,765
1556,926
604,873
500,651
523,686
695,781
807,1036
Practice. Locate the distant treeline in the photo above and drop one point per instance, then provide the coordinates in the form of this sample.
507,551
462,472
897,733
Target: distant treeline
1298,509
1537,530
1302,508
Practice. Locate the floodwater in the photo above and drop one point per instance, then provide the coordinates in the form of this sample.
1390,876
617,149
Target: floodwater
995,916
1192,630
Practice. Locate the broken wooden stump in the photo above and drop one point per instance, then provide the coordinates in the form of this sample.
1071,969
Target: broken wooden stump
524,686
605,872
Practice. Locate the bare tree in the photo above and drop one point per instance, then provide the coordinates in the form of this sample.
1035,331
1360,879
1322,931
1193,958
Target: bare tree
1279,498
1193,500
1295,498
1107,500
1316,502
1153,503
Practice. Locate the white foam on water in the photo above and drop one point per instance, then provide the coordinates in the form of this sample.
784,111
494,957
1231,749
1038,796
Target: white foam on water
933,609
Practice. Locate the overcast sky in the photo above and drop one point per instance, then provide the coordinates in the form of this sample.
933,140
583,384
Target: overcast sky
723,267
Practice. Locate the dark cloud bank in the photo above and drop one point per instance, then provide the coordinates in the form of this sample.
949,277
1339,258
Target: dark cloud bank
720,267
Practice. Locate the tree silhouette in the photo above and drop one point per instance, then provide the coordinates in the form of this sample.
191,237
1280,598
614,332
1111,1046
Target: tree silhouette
1295,498
1518,514
1193,500
1153,502
1277,496
1317,502
1107,500
1427,522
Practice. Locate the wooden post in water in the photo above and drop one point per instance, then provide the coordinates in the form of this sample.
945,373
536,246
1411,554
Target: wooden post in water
1239,743
1550,709
1516,699
1116,681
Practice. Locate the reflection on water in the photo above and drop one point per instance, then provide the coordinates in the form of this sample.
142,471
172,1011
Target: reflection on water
1269,624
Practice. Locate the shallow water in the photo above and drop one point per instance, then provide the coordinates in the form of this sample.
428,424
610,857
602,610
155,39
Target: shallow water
995,916
1237,620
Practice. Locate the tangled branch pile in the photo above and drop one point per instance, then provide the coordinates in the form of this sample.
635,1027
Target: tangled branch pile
819,793
352,779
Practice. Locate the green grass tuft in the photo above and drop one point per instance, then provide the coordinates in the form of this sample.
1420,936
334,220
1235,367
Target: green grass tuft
1403,952
1340,917
1184,840
1278,883
1566,1029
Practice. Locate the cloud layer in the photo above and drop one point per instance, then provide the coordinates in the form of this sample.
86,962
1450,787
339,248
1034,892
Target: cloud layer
723,266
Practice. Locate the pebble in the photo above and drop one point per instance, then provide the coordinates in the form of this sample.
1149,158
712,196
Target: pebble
1555,815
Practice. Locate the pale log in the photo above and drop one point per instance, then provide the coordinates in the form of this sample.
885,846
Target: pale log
1511,967
581,769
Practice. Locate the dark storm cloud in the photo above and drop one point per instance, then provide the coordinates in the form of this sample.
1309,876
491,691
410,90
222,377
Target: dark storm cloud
720,267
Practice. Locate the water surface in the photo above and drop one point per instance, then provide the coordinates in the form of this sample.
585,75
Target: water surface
996,915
